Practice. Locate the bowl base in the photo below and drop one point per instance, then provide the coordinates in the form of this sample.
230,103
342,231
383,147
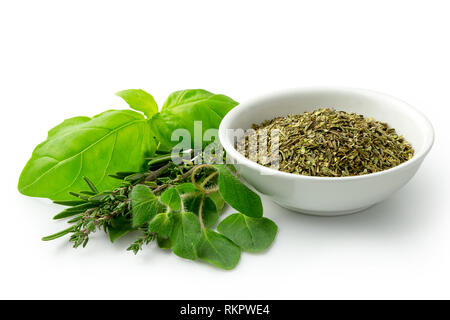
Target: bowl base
323,213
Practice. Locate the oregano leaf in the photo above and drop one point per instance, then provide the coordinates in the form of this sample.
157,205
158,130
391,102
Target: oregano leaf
251,234
115,234
185,235
171,198
210,214
218,200
218,250
238,195
119,227
186,188
163,243
161,224
144,204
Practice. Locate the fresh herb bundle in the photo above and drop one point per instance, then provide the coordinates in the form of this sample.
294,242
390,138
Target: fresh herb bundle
329,143
175,204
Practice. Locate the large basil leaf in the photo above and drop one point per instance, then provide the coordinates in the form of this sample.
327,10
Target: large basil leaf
115,140
182,108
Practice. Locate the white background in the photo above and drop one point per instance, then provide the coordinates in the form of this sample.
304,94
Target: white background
60,59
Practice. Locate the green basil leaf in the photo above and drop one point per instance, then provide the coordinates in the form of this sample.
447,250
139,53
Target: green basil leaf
115,140
218,250
119,227
171,198
185,235
182,108
140,100
238,195
251,234
144,204
67,124
161,224
210,214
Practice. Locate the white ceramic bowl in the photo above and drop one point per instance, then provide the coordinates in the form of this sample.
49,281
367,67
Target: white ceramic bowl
322,195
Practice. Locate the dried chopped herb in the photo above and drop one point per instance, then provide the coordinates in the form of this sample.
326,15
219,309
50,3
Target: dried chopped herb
328,143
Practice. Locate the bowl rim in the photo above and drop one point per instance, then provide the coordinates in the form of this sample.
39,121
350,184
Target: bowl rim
242,160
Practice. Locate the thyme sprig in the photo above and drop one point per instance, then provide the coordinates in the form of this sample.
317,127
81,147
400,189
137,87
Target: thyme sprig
144,239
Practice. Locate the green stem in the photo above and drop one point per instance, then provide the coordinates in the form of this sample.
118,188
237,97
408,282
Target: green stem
211,190
196,168
186,175
200,212
209,178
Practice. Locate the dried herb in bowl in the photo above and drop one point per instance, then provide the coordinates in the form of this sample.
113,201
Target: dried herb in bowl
327,143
